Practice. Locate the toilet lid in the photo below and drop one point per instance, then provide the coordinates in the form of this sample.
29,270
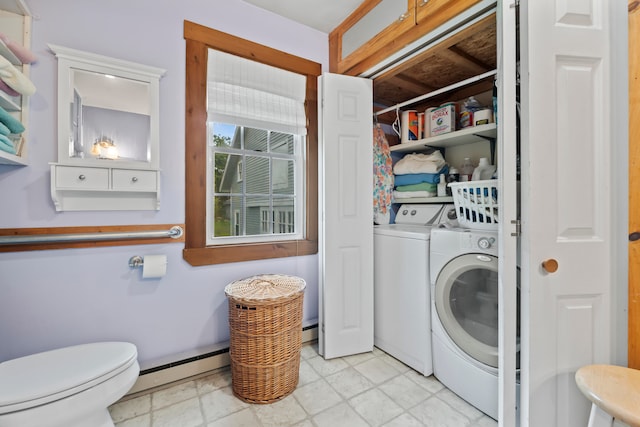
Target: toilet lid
52,375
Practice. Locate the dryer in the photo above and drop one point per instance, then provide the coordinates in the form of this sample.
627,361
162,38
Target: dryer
402,301
464,314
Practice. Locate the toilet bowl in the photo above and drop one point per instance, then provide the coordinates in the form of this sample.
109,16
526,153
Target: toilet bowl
67,387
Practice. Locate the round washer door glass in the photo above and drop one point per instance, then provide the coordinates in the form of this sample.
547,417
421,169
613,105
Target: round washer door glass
466,300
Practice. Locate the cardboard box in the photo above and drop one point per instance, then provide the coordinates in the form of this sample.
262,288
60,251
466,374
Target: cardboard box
443,119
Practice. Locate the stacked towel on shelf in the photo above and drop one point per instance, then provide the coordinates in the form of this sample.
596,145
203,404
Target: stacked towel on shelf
417,175
419,163
14,83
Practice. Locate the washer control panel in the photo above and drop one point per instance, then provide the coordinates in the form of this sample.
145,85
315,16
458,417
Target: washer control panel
486,242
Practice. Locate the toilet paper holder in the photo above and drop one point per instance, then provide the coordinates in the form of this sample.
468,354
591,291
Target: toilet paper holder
136,261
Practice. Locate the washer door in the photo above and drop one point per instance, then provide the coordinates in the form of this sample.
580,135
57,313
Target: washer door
466,300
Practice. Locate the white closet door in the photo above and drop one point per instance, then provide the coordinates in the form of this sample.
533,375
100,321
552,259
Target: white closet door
567,202
346,220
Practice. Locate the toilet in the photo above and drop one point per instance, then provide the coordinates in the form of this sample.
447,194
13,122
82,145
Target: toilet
67,387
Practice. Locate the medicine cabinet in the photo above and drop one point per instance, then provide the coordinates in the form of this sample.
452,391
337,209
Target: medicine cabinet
108,133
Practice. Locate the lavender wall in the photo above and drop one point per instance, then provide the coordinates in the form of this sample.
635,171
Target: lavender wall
50,299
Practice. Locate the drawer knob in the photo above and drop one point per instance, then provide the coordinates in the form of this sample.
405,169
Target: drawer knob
82,177
134,179
423,2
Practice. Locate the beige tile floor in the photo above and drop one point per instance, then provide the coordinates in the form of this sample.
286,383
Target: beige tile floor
370,389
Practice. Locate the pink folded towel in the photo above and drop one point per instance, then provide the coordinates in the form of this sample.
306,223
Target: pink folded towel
24,55
6,88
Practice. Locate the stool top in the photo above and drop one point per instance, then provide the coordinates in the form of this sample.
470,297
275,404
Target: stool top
265,287
614,389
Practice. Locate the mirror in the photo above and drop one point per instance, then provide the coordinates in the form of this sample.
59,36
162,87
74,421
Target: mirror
107,111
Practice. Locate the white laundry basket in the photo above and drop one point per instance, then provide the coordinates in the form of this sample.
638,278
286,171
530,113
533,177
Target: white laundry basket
476,203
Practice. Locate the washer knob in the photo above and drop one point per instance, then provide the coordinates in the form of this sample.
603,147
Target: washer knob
484,243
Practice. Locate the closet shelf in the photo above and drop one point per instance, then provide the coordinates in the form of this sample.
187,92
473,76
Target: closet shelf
460,137
446,199
15,21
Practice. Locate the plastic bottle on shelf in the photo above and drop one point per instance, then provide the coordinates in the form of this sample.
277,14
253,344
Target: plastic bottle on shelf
483,171
466,170
442,186
453,176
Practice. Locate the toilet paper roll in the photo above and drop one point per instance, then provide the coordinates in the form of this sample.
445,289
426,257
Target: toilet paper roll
154,266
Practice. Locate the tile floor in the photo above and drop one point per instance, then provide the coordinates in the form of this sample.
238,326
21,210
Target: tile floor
370,389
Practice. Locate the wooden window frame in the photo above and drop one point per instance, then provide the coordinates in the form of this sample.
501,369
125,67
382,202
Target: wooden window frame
198,40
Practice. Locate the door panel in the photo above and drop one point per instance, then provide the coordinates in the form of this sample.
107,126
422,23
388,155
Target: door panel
567,196
346,226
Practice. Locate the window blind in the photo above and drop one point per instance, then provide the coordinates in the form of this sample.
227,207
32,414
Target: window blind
252,94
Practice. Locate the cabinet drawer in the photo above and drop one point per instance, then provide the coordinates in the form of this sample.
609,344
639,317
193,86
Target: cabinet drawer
134,180
82,178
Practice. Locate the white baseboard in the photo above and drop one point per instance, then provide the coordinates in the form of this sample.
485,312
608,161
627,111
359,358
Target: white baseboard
181,370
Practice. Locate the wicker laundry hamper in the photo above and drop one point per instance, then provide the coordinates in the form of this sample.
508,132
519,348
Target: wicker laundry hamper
265,320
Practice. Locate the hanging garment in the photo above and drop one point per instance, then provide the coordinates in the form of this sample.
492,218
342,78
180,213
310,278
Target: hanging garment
382,177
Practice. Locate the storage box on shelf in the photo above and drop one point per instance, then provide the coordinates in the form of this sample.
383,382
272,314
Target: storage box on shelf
15,23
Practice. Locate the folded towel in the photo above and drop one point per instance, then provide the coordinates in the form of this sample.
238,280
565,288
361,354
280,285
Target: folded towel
15,79
402,195
417,178
9,121
419,163
4,130
7,145
423,186
24,54
6,88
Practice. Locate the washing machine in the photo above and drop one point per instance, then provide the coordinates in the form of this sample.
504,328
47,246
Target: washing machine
402,301
464,314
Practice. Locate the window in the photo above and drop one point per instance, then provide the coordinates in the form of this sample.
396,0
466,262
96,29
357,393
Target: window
235,220
272,183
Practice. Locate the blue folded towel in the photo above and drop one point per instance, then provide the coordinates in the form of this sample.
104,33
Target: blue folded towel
4,130
7,145
417,178
11,122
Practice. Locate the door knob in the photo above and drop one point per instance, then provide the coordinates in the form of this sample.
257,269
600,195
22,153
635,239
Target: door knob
550,265
634,236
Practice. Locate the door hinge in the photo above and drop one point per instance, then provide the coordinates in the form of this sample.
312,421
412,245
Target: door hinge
516,3
516,222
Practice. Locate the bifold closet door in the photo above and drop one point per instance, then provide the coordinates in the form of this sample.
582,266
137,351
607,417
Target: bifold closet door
346,215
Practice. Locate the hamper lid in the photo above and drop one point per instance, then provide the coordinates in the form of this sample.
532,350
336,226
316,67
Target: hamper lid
265,287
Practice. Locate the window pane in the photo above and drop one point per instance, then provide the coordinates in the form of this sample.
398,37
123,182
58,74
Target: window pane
282,177
282,143
227,173
221,216
222,134
257,175
255,139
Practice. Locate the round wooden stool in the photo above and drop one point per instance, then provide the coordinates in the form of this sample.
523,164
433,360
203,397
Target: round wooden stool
614,392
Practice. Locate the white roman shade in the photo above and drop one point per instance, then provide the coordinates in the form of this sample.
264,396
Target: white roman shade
252,94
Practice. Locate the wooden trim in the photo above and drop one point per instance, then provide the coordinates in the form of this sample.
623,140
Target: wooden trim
198,40
391,39
240,47
196,143
85,230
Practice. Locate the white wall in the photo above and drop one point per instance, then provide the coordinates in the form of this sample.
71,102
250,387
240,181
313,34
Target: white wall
56,298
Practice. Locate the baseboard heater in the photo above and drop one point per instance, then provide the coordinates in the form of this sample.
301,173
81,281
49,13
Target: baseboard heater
167,373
